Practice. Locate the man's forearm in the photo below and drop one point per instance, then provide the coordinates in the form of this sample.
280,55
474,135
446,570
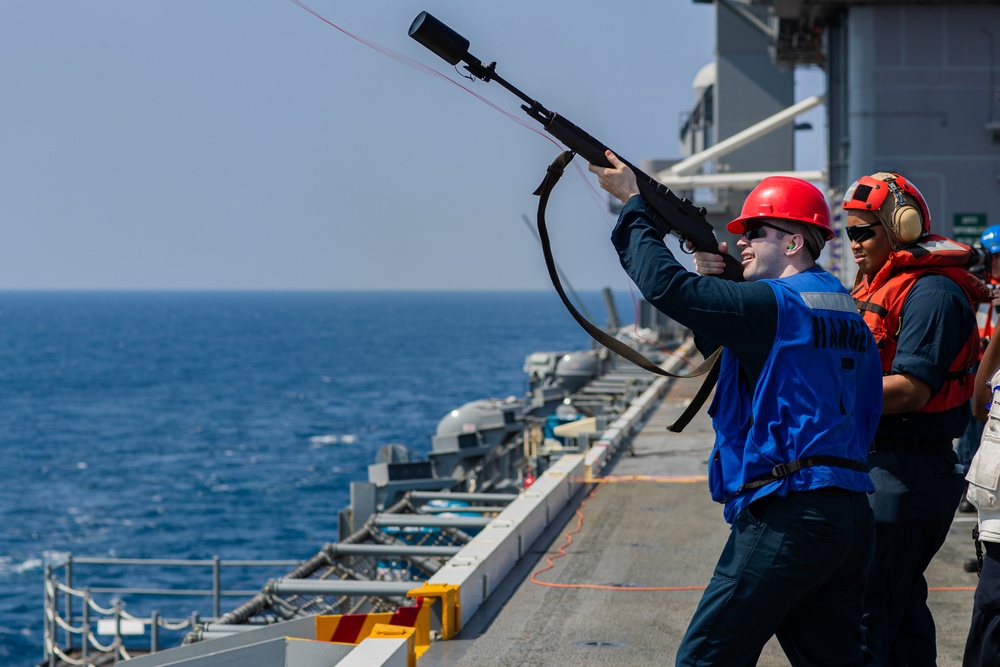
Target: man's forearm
903,393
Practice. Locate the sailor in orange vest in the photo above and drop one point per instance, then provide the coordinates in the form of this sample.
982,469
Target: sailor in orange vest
915,293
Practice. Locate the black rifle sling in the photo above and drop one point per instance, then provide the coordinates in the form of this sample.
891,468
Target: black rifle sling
703,391
709,365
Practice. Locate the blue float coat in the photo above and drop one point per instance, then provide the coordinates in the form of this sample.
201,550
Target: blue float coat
799,377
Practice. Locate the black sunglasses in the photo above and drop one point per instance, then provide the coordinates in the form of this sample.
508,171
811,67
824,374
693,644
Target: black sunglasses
754,229
861,233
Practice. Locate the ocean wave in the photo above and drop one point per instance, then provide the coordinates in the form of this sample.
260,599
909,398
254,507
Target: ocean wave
10,566
320,441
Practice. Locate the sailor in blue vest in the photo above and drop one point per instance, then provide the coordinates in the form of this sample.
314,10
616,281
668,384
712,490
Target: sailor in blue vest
797,404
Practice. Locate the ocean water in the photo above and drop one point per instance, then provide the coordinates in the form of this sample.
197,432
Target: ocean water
189,425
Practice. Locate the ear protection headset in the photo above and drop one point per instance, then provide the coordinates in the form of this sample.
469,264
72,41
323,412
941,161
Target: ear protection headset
905,222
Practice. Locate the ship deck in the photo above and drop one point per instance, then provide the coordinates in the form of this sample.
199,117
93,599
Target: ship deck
651,525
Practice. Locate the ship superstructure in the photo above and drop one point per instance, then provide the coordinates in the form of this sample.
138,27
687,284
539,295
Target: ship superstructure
911,87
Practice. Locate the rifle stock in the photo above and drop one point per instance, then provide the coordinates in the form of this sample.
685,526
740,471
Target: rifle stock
671,214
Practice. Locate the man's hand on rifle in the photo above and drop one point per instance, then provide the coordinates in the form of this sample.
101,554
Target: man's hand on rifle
708,263
618,179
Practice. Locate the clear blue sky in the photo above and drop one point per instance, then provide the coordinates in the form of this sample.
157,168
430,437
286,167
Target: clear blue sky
226,144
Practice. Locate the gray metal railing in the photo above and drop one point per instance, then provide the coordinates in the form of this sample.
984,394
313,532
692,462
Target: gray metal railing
82,646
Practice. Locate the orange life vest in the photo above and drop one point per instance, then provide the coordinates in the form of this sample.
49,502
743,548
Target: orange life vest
987,325
880,301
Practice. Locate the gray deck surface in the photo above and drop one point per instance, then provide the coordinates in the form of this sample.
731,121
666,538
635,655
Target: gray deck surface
648,527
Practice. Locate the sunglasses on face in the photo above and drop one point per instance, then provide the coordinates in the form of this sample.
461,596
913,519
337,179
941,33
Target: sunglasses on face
861,233
755,229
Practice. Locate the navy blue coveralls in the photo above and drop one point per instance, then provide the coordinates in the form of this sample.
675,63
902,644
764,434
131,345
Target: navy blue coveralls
918,479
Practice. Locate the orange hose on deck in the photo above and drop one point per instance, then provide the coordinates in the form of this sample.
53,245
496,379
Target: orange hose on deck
579,526
550,560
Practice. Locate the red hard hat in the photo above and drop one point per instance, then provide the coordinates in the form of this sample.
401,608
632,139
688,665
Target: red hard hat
785,198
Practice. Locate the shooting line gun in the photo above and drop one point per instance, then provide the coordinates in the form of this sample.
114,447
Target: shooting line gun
671,214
